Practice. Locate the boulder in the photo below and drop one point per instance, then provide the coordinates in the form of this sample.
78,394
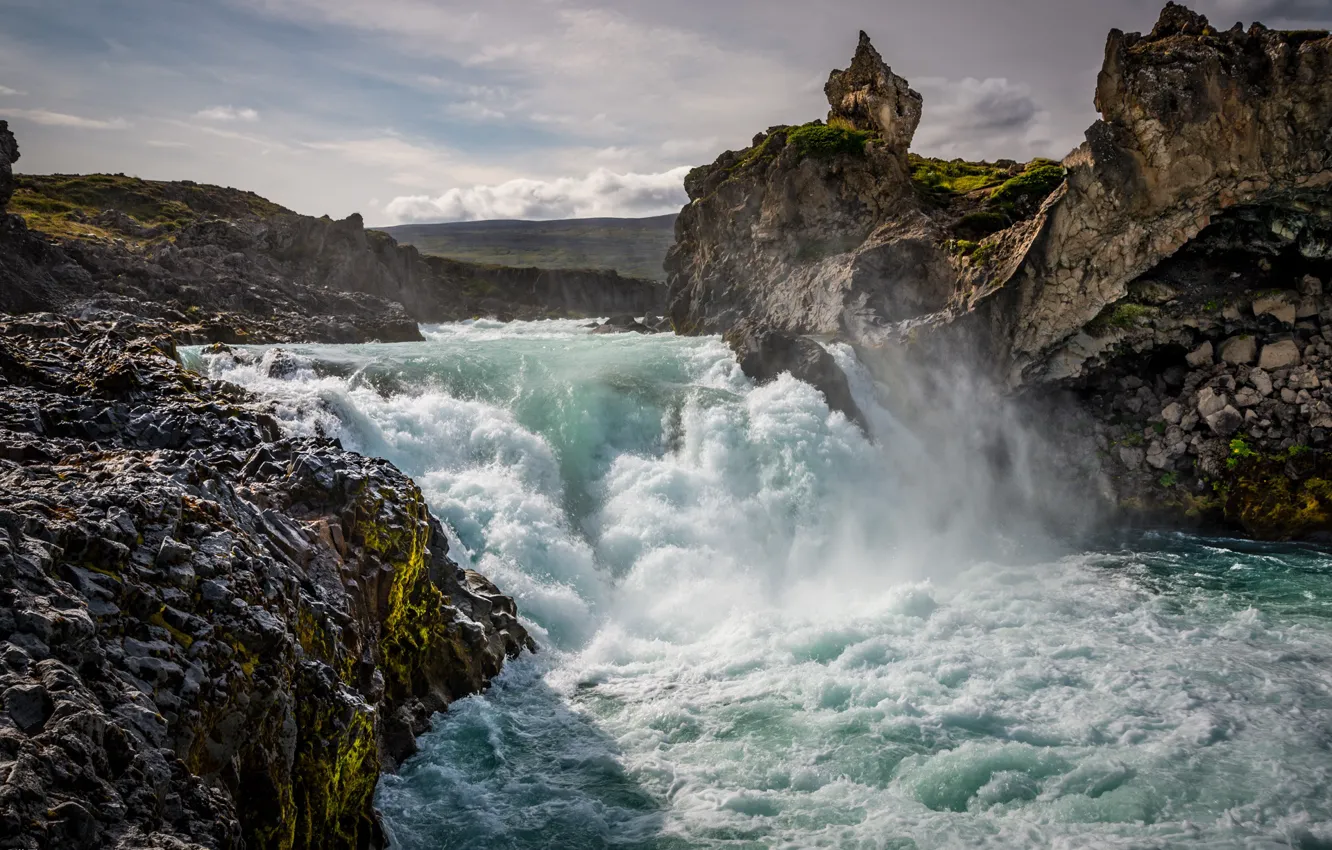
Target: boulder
1200,356
1280,306
1132,457
1279,355
1261,381
766,354
1239,350
1311,286
1225,422
1210,402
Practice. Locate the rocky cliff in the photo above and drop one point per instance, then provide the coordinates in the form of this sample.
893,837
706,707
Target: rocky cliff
211,635
224,265
1162,286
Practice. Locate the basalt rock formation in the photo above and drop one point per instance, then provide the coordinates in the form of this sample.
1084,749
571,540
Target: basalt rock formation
1163,283
211,635
220,265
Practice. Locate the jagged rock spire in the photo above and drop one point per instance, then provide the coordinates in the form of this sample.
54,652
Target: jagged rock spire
1178,20
871,97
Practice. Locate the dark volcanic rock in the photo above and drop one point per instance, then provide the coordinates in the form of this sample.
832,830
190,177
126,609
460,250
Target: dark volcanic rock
9,154
765,354
209,633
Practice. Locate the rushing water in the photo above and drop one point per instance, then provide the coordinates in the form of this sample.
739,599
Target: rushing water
756,634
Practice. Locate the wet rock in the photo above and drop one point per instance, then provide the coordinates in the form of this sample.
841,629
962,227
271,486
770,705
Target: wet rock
1132,457
135,705
764,355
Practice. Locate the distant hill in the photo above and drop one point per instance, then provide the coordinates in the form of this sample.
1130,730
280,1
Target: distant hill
634,247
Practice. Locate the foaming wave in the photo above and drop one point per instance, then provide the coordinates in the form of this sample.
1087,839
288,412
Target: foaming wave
762,630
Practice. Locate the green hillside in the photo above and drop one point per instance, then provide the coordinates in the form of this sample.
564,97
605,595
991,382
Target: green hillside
635,247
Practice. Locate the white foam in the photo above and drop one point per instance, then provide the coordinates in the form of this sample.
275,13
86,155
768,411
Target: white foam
756,635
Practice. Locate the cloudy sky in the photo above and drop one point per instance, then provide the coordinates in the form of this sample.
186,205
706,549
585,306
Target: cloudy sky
429,110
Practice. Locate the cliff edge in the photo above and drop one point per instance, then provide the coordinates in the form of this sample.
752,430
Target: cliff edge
1162,286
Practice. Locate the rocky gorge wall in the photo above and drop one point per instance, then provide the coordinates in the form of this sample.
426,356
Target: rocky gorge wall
220,265
1157,296
211,635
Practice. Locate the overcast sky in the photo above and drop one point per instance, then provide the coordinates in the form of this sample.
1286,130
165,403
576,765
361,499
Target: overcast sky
429,110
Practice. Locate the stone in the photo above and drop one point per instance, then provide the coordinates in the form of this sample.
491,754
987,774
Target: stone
290,660
1132,457
1200,356
1261,381
1304,378
1247,397
1308,308
1210,402
1172,413
869,96
29,706
1288,395
1279,355
1280,306
1311,286
764,355
1239,350
1226,422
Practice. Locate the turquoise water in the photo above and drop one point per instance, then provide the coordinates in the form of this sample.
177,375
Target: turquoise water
760,630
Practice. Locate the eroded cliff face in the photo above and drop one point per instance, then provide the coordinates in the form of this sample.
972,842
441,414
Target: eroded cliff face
221,265
211,635
1198,126
813,226
1163,287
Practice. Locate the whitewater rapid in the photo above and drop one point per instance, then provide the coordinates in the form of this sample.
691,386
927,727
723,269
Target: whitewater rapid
759,630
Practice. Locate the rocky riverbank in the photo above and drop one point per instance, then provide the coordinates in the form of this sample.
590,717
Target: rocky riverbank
211,635
1156,299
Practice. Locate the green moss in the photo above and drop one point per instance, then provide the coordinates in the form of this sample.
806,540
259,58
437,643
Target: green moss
954,176
1170,479
1123,315
818,140
52,203
984,254
333,780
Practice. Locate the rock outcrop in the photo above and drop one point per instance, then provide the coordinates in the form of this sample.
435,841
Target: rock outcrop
211,635
1179,251
765,354
9,154
868,96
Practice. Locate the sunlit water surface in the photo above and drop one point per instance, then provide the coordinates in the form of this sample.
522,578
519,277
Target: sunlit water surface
754,637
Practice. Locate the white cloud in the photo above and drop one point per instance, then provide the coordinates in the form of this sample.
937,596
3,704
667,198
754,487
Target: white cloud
60,119
227,113
601,193
6,91
993,117
163,143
